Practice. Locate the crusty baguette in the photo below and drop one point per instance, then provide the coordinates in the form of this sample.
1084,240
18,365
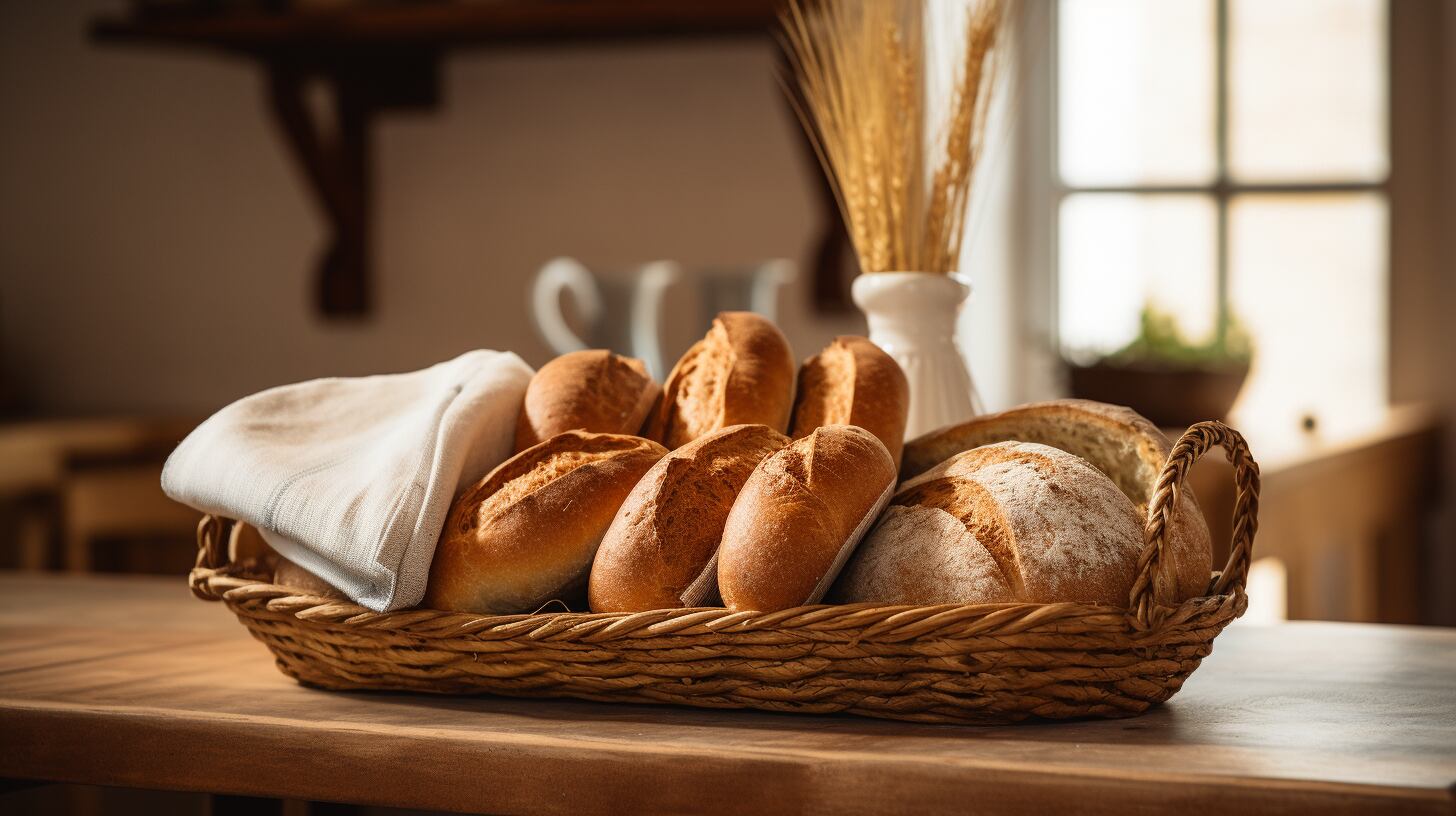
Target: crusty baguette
853,382
1117,441
799,516
667,532
741,373
593,390
1002,523
527,532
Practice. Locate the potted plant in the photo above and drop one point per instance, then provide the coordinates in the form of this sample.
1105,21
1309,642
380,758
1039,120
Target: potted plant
1165,377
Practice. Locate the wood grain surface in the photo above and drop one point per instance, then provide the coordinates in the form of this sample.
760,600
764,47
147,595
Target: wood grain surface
132,682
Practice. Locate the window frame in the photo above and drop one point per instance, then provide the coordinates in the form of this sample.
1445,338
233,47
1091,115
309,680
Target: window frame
1222,189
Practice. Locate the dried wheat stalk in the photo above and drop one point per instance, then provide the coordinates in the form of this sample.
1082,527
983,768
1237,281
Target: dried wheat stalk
859,69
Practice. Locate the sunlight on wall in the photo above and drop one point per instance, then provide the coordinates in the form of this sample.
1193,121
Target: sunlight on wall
1268,590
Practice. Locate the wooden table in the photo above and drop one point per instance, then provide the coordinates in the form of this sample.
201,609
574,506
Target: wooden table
131,682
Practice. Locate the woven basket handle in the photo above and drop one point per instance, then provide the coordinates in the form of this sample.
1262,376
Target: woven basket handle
212,555
1152,575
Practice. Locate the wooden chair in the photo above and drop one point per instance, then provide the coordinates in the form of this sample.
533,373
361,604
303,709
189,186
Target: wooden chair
79,482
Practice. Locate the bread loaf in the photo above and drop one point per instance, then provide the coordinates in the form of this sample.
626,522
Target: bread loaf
1117,441
741,373
245,543
1003,523
853,382
527,532
664,538
289,574
799,516
593,390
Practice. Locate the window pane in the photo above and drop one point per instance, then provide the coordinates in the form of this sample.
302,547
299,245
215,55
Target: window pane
1136,90
1119,252
1308,279
1307,94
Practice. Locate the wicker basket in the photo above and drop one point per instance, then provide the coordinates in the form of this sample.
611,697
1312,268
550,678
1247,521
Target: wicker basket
988,663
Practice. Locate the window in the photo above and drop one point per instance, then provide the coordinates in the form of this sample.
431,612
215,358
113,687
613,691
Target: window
1229,157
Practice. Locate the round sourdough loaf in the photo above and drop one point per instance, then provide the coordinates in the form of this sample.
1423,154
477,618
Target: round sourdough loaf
1116,440
853,382
1003,523
526,533
664,537
741,373
799,516
593,390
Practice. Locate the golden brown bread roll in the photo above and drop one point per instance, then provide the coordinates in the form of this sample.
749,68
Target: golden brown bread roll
741,373
665,536
1116,440
594,391
527,532
799,516
1003,523
853,382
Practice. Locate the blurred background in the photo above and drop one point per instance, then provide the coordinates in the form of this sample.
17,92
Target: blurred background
1200,207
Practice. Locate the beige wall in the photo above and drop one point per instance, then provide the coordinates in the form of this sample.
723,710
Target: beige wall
156,245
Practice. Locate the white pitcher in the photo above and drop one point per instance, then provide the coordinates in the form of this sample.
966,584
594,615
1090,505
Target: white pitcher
629,315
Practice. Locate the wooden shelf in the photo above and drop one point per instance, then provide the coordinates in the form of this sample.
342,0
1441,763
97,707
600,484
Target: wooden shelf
379,57
448,24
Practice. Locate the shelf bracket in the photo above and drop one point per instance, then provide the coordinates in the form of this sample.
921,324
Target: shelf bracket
336,157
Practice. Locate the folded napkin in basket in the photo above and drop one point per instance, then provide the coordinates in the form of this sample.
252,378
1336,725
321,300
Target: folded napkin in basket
352,477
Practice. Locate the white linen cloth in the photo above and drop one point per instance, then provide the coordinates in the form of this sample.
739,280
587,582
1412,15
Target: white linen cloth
351,478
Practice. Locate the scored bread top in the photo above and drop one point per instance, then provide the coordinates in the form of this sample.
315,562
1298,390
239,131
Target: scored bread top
841,466
921,556
669,528
740,373
1116,440
1058,528
527,532
1006,522
592,390
853,382
795,515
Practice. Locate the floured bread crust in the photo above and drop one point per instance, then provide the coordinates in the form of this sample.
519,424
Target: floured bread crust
921,555
1008,522
1116,440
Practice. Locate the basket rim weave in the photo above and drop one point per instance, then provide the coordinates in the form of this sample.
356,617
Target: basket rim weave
1144,627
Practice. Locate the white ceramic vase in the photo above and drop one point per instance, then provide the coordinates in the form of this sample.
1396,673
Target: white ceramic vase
912,316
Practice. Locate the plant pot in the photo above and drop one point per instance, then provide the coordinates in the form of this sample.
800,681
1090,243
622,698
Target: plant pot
1170,396
912,316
